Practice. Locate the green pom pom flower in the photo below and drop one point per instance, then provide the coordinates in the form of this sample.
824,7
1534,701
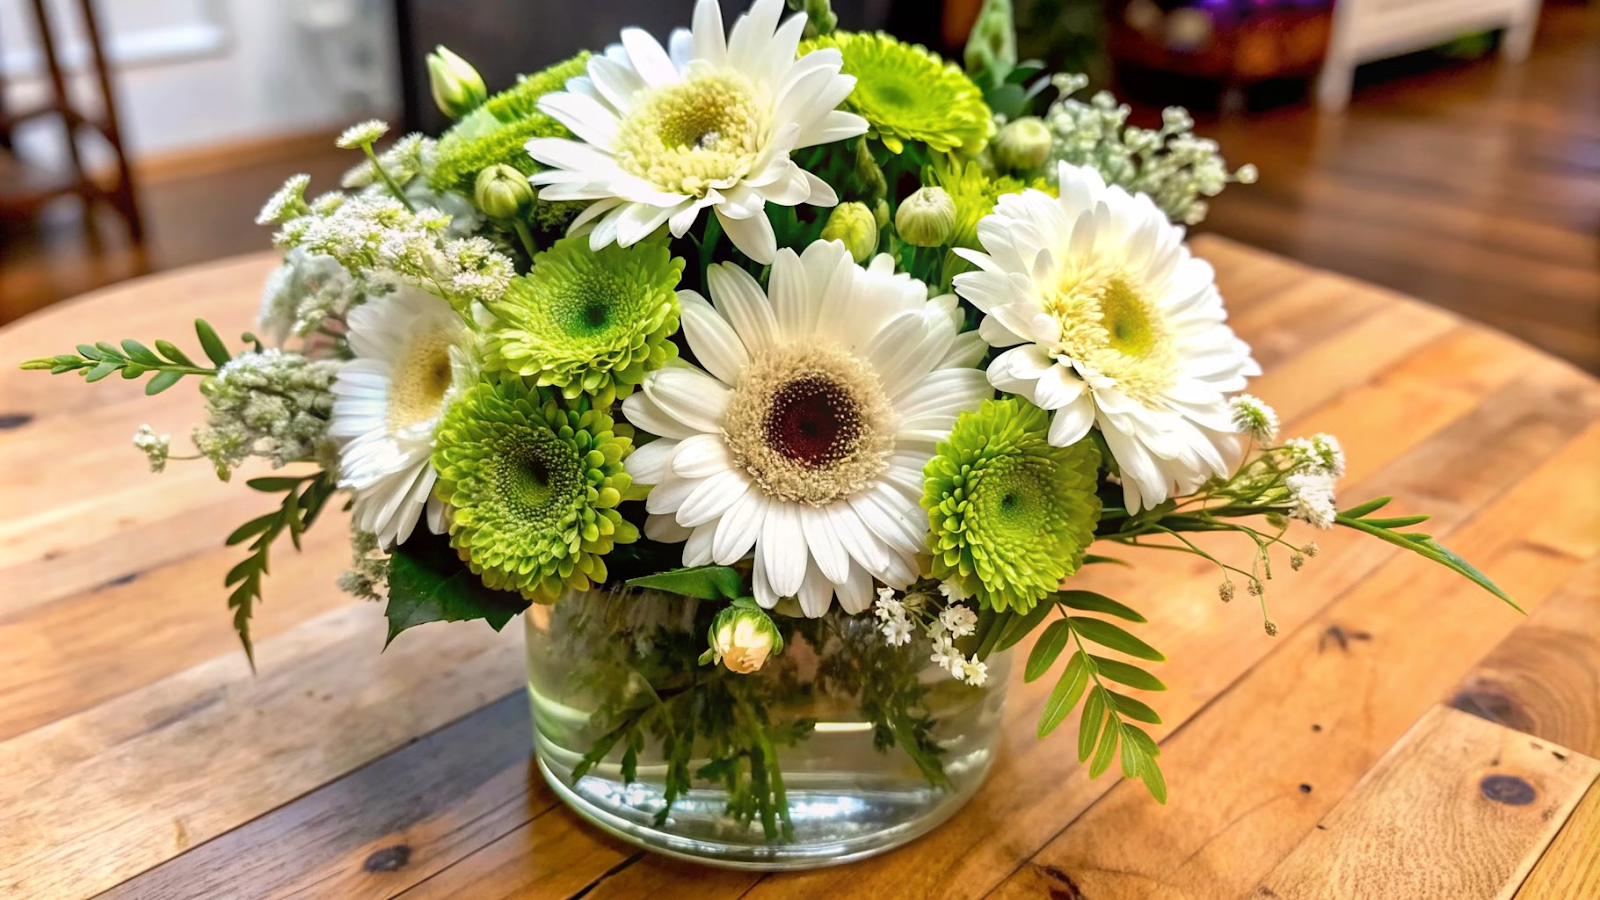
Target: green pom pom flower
496,134
1011,515
907,93
589,321
533,486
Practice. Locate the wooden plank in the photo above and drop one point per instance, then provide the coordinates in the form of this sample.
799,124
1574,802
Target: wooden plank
98,797
1570,868
1303,725
1460,807
380,829
1545,677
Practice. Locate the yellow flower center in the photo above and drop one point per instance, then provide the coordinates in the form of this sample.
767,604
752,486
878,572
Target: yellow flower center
693,136
1110,326
420,380
810,424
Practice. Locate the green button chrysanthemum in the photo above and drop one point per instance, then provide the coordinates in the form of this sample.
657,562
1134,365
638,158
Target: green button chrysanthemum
907,93
532,484
497,133
589,321
1011,515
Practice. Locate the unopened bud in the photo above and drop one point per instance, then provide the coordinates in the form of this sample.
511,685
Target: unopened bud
742,637
855,225
502,192
457,87
880,214
927,218
866,179
1023,145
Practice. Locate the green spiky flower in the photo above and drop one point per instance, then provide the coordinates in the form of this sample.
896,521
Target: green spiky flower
533,486
907,93
497,132
589,321
1011,515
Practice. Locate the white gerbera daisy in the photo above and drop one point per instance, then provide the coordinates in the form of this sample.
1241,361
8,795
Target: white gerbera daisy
1112,323
805,436
387,402
663,136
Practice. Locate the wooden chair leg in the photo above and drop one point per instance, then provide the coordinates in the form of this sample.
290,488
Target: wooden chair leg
124,199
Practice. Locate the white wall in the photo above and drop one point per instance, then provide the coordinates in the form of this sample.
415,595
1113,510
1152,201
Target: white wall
196,73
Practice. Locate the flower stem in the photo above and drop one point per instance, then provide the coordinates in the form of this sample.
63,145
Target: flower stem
526,236
382,173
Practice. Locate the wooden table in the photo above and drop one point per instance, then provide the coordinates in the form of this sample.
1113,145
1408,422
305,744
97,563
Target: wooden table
1405,736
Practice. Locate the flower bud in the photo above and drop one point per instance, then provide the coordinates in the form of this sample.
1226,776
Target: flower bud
457,87
866,179
856,226
1023,145
742,637
926,218
502,192
880,214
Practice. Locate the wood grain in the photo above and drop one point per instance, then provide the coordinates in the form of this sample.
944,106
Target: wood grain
1571,866
1460,807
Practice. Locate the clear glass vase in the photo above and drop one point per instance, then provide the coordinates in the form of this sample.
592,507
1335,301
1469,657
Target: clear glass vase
838,748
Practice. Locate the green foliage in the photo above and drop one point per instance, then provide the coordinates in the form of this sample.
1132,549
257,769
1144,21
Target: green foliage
133,359
428,583
701,582
1421,544
303,500
1102,727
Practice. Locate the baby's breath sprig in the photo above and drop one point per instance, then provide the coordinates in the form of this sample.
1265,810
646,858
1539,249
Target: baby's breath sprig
363,135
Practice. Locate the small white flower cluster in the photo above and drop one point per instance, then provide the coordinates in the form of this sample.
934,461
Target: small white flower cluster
155,448
288,202
368,575
374,235
1317,464
269,404
1173,166
405,159
902,616
303,294
362,134
1255,418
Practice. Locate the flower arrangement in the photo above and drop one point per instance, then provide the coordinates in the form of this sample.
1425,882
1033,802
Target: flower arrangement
812,327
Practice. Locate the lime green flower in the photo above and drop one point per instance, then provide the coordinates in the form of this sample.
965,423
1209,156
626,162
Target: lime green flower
907,93
533,486
496,134
589,321
1011,515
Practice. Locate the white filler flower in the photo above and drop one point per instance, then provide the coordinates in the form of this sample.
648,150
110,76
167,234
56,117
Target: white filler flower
805,436
663,136
387,402
1112,323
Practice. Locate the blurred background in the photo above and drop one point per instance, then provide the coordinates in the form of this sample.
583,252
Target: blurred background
1448,149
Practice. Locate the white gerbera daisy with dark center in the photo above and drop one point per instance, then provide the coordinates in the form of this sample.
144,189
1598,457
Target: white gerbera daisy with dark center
1111,324
387,403
805,435
711,125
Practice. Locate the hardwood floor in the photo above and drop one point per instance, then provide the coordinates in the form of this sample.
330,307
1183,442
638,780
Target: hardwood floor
1473,185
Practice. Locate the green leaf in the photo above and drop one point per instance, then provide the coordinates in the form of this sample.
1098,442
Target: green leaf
1134,709
1021,625
88,351
1108,635
210,343
171,352
1371,506
252,528
1425,546
108,350
704,582
1094,710
1147,745
1091,559
1132,676
161,382
1074,678
1150,774
1398,521
101,370
428,582
1049,646
274,484
991,625
1106,751
140,353
1100,603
